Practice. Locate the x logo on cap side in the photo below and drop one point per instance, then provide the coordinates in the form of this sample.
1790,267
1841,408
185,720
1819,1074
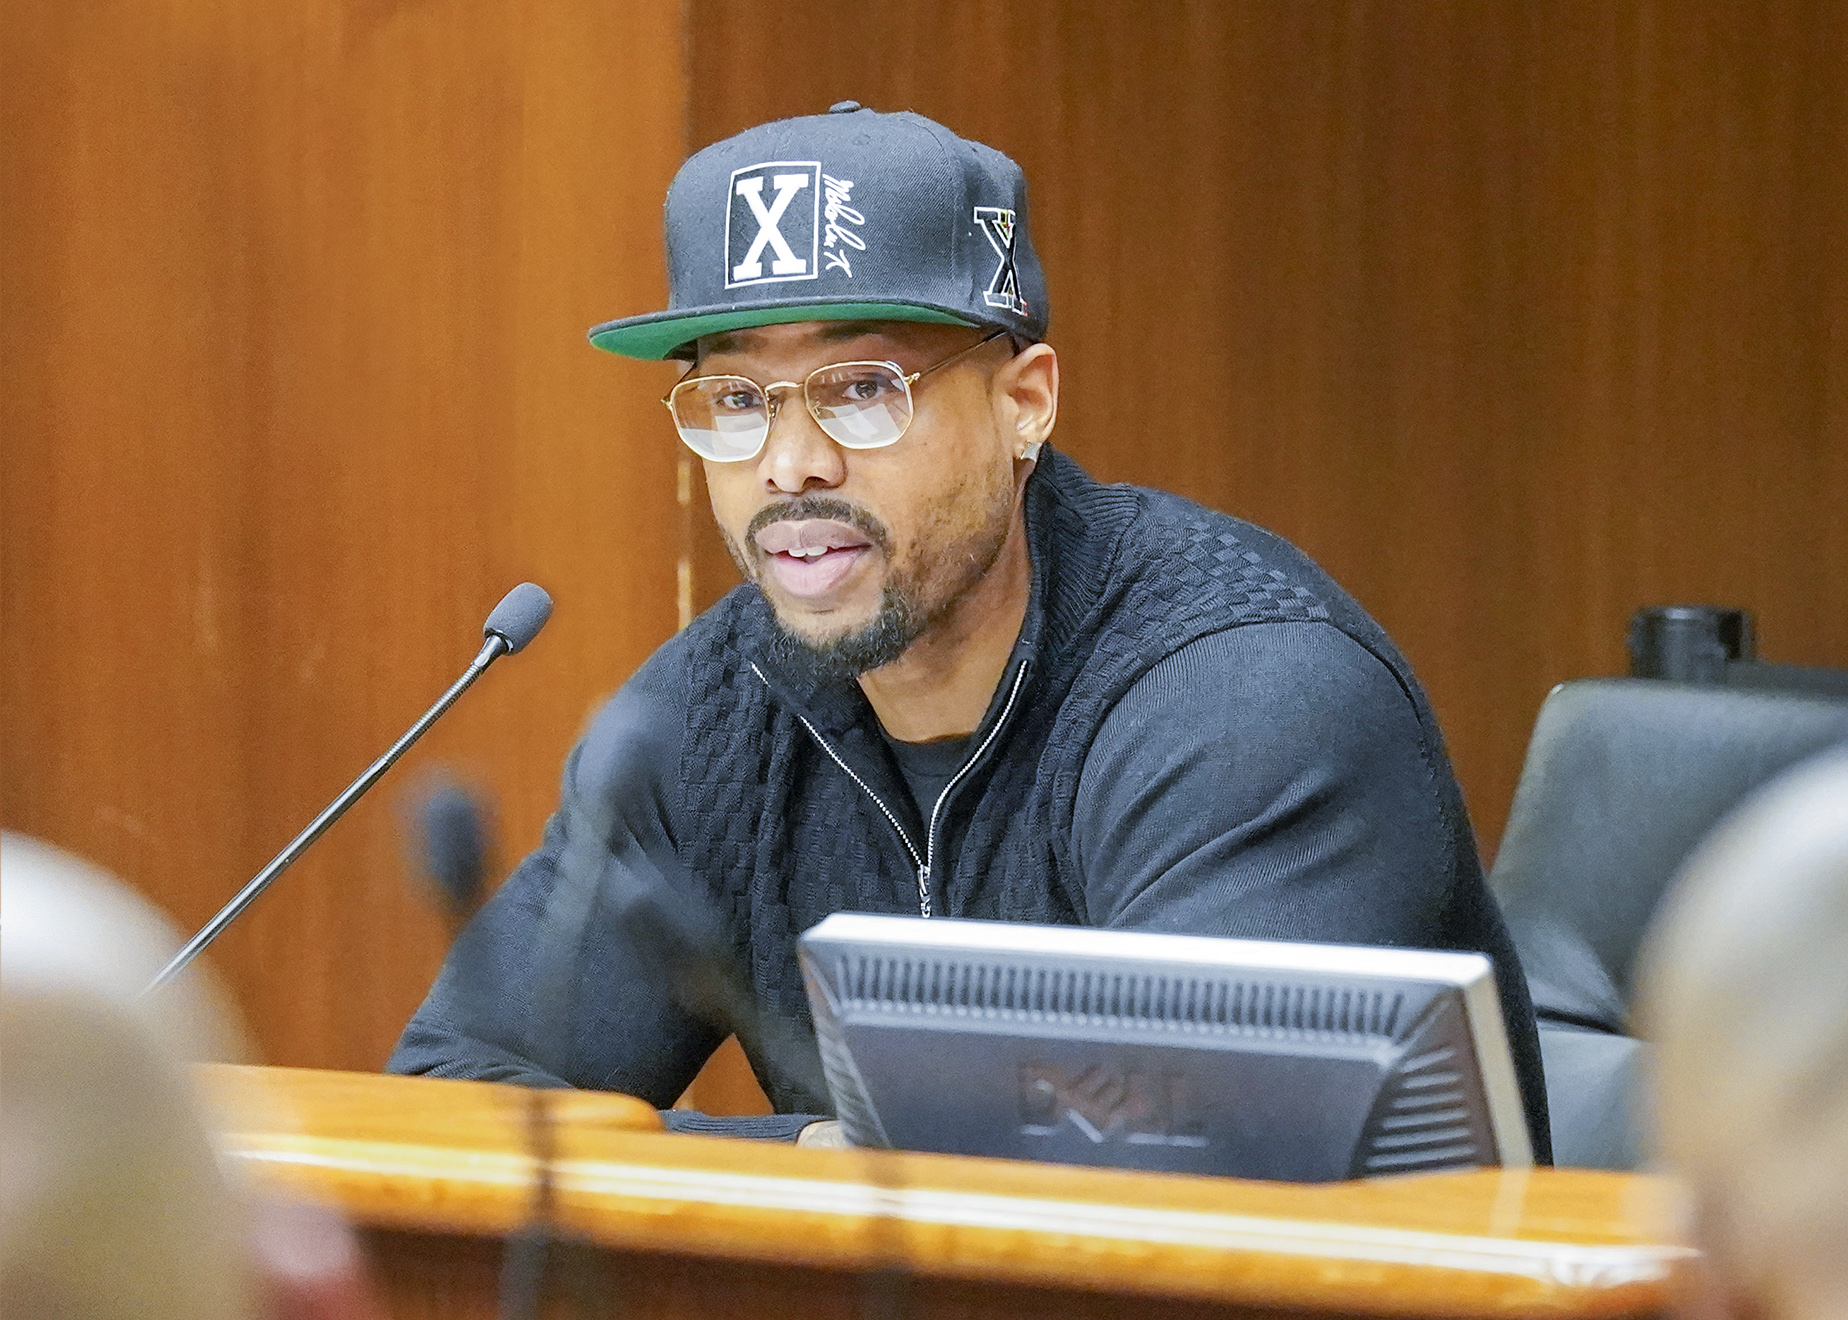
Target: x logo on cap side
1004,289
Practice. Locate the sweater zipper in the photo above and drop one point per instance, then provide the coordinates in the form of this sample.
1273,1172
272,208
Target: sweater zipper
917,861
930,830
921,863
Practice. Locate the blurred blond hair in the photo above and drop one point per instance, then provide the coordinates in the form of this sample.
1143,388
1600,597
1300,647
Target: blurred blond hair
1744,989
112,1202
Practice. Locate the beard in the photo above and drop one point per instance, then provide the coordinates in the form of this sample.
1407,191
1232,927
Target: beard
846,655
952,555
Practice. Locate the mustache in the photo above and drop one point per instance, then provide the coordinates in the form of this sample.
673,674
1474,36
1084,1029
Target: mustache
820,506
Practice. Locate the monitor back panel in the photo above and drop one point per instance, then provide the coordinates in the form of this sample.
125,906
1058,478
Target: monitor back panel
1167,1053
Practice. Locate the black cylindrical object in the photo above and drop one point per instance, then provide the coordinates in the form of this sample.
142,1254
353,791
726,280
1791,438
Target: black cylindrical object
1689,643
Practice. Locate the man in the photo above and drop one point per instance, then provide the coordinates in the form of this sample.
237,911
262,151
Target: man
1743,988
962,678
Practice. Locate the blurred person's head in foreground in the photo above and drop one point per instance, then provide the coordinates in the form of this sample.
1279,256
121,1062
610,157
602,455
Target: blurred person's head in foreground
113,1202
1745,992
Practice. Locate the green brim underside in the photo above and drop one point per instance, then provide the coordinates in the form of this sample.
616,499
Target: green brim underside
654,337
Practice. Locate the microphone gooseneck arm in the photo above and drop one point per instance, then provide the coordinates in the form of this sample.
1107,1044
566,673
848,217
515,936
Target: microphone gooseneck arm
491,650
509,628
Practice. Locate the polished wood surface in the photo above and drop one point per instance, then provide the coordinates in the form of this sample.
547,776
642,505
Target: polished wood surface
294,384
291,1111
449,1158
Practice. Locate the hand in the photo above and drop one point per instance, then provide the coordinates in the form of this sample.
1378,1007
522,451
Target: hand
827,1133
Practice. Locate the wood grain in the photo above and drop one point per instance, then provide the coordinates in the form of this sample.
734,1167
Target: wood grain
407,1154
294,385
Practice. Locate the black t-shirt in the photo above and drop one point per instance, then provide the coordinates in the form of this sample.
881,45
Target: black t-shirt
928,767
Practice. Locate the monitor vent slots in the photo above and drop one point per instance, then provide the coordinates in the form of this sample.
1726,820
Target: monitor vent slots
852,1104
1424,1122
1178,1001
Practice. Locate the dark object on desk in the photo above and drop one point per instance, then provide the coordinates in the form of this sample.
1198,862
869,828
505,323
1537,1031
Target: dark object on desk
1689,643
453,845
1623,778
1176,1053
1713,644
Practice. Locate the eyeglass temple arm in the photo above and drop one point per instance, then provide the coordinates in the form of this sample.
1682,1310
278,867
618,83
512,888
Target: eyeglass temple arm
916,376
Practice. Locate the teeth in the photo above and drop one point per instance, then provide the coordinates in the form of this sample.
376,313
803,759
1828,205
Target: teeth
814,553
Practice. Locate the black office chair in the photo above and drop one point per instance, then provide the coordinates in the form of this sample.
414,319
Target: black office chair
1623,778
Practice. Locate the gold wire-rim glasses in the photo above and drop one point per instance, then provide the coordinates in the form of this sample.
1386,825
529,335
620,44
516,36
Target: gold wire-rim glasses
835,427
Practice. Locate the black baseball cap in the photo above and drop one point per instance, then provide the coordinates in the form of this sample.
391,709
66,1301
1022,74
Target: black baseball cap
850,215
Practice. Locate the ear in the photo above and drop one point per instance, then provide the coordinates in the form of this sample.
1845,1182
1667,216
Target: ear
1026,394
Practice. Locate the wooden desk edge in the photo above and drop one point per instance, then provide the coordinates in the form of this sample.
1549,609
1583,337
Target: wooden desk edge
624,1187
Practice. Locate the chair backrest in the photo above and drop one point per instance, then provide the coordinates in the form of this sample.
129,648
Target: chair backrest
1623,778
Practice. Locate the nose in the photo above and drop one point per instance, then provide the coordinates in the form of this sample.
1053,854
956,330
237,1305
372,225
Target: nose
797,454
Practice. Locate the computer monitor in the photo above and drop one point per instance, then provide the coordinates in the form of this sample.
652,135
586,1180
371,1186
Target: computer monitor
1181,1053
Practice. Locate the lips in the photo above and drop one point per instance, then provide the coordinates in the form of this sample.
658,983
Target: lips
809,535
811,557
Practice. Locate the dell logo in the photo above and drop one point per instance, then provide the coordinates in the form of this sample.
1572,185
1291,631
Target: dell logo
1109,1105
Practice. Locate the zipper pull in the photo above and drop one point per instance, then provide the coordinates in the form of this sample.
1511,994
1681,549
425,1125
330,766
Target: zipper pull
924,890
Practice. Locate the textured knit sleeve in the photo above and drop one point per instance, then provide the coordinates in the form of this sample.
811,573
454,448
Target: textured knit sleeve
1268,781
542,987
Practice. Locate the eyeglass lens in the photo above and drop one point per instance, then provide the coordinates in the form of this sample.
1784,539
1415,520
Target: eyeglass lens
723,418
859,405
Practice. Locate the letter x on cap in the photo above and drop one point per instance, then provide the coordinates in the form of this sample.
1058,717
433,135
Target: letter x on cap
848,216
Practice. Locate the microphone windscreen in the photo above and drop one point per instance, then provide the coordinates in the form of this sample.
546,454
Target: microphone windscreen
520,615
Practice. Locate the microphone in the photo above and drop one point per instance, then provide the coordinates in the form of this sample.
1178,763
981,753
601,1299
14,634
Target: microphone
513,623
453,846
518,618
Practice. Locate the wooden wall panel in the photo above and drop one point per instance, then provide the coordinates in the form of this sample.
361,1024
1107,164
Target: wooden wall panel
294,384
1516,316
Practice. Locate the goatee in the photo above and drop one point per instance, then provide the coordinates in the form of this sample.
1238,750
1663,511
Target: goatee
846,656
913,600
842,658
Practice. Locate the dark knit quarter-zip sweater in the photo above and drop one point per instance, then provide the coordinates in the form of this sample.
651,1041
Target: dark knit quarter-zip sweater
1197,731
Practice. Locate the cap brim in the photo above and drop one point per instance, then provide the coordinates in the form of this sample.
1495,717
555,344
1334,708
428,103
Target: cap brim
657,335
